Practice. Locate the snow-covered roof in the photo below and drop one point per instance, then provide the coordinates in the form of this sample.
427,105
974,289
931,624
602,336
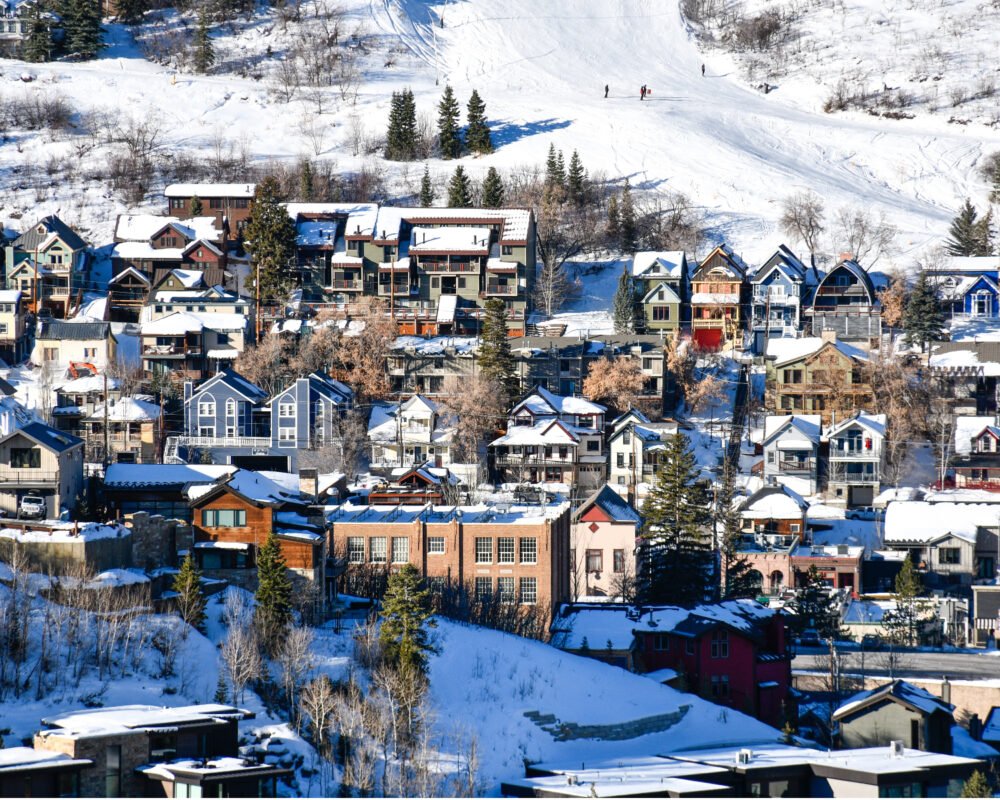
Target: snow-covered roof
127,409
655,263
180,322
959,264
550,431
462,345
783,350
252,485
128,476
119,719
89,383
450,239
201,190
898,690
10,295
233,380
774,502
66,532
19,759
925,521
873,422
542,402
484,514
612,504
225,765
967,355
808,425
142,227
144,251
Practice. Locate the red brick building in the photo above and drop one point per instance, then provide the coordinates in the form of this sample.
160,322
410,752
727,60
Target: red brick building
520,553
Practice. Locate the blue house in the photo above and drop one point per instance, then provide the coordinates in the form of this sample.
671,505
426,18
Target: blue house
305,414
780,288
226,406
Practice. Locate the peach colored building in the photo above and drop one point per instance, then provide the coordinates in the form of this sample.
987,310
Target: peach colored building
602,546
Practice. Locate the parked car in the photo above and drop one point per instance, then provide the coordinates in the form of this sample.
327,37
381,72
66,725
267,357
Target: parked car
31,507
871,642
810,638
866,513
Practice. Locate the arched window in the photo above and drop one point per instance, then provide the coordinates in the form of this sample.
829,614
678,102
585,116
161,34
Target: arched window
777,581
756,579
230,407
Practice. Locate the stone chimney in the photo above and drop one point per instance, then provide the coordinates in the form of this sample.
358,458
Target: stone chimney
946,689
309,484
828,336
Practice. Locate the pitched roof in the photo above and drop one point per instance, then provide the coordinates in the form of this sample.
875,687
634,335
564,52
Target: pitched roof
873,422
897,691
653,263
774,502
75,331
47,436
611,503
52,225
540,401
806,424
234,381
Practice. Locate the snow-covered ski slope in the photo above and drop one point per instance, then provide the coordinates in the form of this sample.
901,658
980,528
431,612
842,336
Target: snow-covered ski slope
541,67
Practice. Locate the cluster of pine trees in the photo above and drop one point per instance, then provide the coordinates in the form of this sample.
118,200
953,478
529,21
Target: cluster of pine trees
623,228
66,28
566,185
970,234
402,140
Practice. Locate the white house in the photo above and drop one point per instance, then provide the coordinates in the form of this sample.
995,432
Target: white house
409,433
791,451
856,459
636,446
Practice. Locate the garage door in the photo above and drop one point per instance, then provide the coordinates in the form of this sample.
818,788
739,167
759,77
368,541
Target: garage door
708,338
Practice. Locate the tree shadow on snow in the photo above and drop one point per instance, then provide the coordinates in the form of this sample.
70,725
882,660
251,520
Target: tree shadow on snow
504,132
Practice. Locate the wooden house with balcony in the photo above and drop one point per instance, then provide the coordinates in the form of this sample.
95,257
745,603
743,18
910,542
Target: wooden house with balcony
779,289
792,452
856,458
846,303
976,463
228,203
48,264
192,345
719,293
816,375
38,460
637,447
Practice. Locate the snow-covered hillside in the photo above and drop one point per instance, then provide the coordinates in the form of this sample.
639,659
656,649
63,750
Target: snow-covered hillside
541,66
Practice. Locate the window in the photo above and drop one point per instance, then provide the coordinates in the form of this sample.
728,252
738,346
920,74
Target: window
529,590
206,408
689,647
113,771
286,410
720,644
792,376
356,549
484,550
435,544
985,567
505,588
595,561
241,202
215,202
483,588
661,313
720,687
286,434
400,549
461,283
619,561
505,550
620,460
506,250
51,354
223,518
3,328
377,552
593,445
177,203
529,550
661,642
25,457
950,555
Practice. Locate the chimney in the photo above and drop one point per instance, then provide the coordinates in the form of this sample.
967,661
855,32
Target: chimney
309,484
828,336
845,257
976,727
946,689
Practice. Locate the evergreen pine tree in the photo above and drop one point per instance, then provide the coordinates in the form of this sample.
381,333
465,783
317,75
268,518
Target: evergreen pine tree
270,238
393,131
977,786
459,189
493,191
190,598
815,607
273,612
406,615
576,180
903,623
995,188
449,135
401,136
737,581
196,206
426,189
37,45
306,181
628,230
965,238
477,134
675,558
221,690
984,234
204,52
614,229
923,320
623,305
81,22
496,361
555,174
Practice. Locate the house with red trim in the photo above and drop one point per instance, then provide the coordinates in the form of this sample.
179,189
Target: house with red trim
603,545
732,653
719,295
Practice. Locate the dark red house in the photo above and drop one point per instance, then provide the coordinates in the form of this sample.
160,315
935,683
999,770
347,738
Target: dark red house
732,653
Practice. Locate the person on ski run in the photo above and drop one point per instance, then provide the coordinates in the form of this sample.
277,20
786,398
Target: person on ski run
703,70
605,91
642,92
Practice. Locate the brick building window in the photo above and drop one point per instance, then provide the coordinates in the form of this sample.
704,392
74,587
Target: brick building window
661,642
400,549
505,588
595,561
484,550
505,550
529,550
483,587
720,645
223,518
529,590
619,565
720,687
378,552
356,549
435,544
436,584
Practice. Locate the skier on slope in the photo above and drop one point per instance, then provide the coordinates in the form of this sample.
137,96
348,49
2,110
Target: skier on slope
605,91
703,70
642,92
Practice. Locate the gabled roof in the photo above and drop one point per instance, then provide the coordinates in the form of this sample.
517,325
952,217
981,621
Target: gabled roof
809,425
872,422
189,278
669,295
611,503
48,437
632,415
129,271
252,486
418,401
652,264
541,402
809,347
543,432
733,262
786,262
898,691
774,502
202,243
234,381
75,331
53,226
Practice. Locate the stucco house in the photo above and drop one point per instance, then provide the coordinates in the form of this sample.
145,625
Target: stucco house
602,545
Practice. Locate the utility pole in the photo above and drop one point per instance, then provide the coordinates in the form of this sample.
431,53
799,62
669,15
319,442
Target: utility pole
106,435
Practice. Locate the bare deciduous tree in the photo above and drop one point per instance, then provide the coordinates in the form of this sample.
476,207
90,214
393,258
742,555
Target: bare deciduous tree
802,219
863,234
478,409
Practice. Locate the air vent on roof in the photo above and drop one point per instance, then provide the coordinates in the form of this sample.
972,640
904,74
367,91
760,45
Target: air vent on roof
842,550
896,749
745,756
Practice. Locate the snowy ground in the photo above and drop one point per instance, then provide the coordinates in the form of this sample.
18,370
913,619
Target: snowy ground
541,68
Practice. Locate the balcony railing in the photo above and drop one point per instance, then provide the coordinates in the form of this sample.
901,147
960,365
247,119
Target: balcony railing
385,290
533,460
442,266
25,476
500,288
224,441
338,283
838,471
762,293
795,464
170,350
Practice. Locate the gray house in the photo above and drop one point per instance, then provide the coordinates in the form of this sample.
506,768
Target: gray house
780,288
40,461
898,711
304,414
